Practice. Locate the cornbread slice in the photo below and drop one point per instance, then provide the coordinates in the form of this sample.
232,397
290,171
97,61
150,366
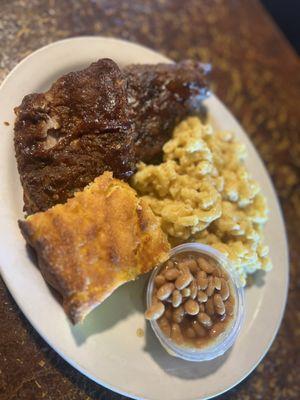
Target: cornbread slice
98,240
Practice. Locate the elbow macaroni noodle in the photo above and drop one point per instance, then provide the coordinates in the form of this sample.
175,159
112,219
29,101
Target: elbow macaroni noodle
203,192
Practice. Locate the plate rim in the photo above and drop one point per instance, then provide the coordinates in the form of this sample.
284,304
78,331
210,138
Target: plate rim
56,348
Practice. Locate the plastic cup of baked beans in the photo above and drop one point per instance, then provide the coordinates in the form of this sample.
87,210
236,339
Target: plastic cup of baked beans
195,303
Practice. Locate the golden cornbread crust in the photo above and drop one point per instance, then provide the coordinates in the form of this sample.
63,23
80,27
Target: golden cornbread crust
98,240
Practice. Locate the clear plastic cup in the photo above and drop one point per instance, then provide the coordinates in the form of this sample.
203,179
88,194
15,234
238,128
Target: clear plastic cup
225,340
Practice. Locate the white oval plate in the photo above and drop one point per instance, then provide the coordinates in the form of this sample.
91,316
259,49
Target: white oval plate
106,348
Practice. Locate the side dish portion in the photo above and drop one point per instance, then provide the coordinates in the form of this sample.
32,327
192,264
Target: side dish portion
99,119
98,240
203,192
195,304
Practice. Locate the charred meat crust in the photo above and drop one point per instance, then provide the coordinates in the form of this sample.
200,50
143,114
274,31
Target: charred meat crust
160,96
100,119
67,136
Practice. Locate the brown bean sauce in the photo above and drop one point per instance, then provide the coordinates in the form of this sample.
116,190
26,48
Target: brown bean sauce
206,315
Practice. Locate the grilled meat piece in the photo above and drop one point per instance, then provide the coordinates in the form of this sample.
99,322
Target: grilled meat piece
96,241
75,131
160,96
100,119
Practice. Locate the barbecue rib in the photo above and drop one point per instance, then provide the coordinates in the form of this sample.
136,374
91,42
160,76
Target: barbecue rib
100,119
67,136
160,96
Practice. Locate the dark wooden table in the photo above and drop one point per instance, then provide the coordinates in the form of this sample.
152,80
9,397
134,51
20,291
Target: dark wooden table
256,73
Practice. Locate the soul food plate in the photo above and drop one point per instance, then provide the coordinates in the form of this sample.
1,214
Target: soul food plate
114,346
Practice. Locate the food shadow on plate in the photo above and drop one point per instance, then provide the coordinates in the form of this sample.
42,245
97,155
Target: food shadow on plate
257,279
187,370
127,299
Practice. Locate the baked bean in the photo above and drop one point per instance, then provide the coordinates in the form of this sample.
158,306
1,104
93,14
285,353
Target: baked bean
176,298
163,270
170,265
169,299
218,302
192,265
201,274
155,311
186,292
224,292
193,288
224,274
176,333
229,307
159,280
201,296
205,265
190,333
218,328
217,272
210,288
178,314
200,331
222,317
165,326
191,307
220,310
209,307
205,320
219,305
202,283
165,291
183,267
172,274
217,282
183,280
